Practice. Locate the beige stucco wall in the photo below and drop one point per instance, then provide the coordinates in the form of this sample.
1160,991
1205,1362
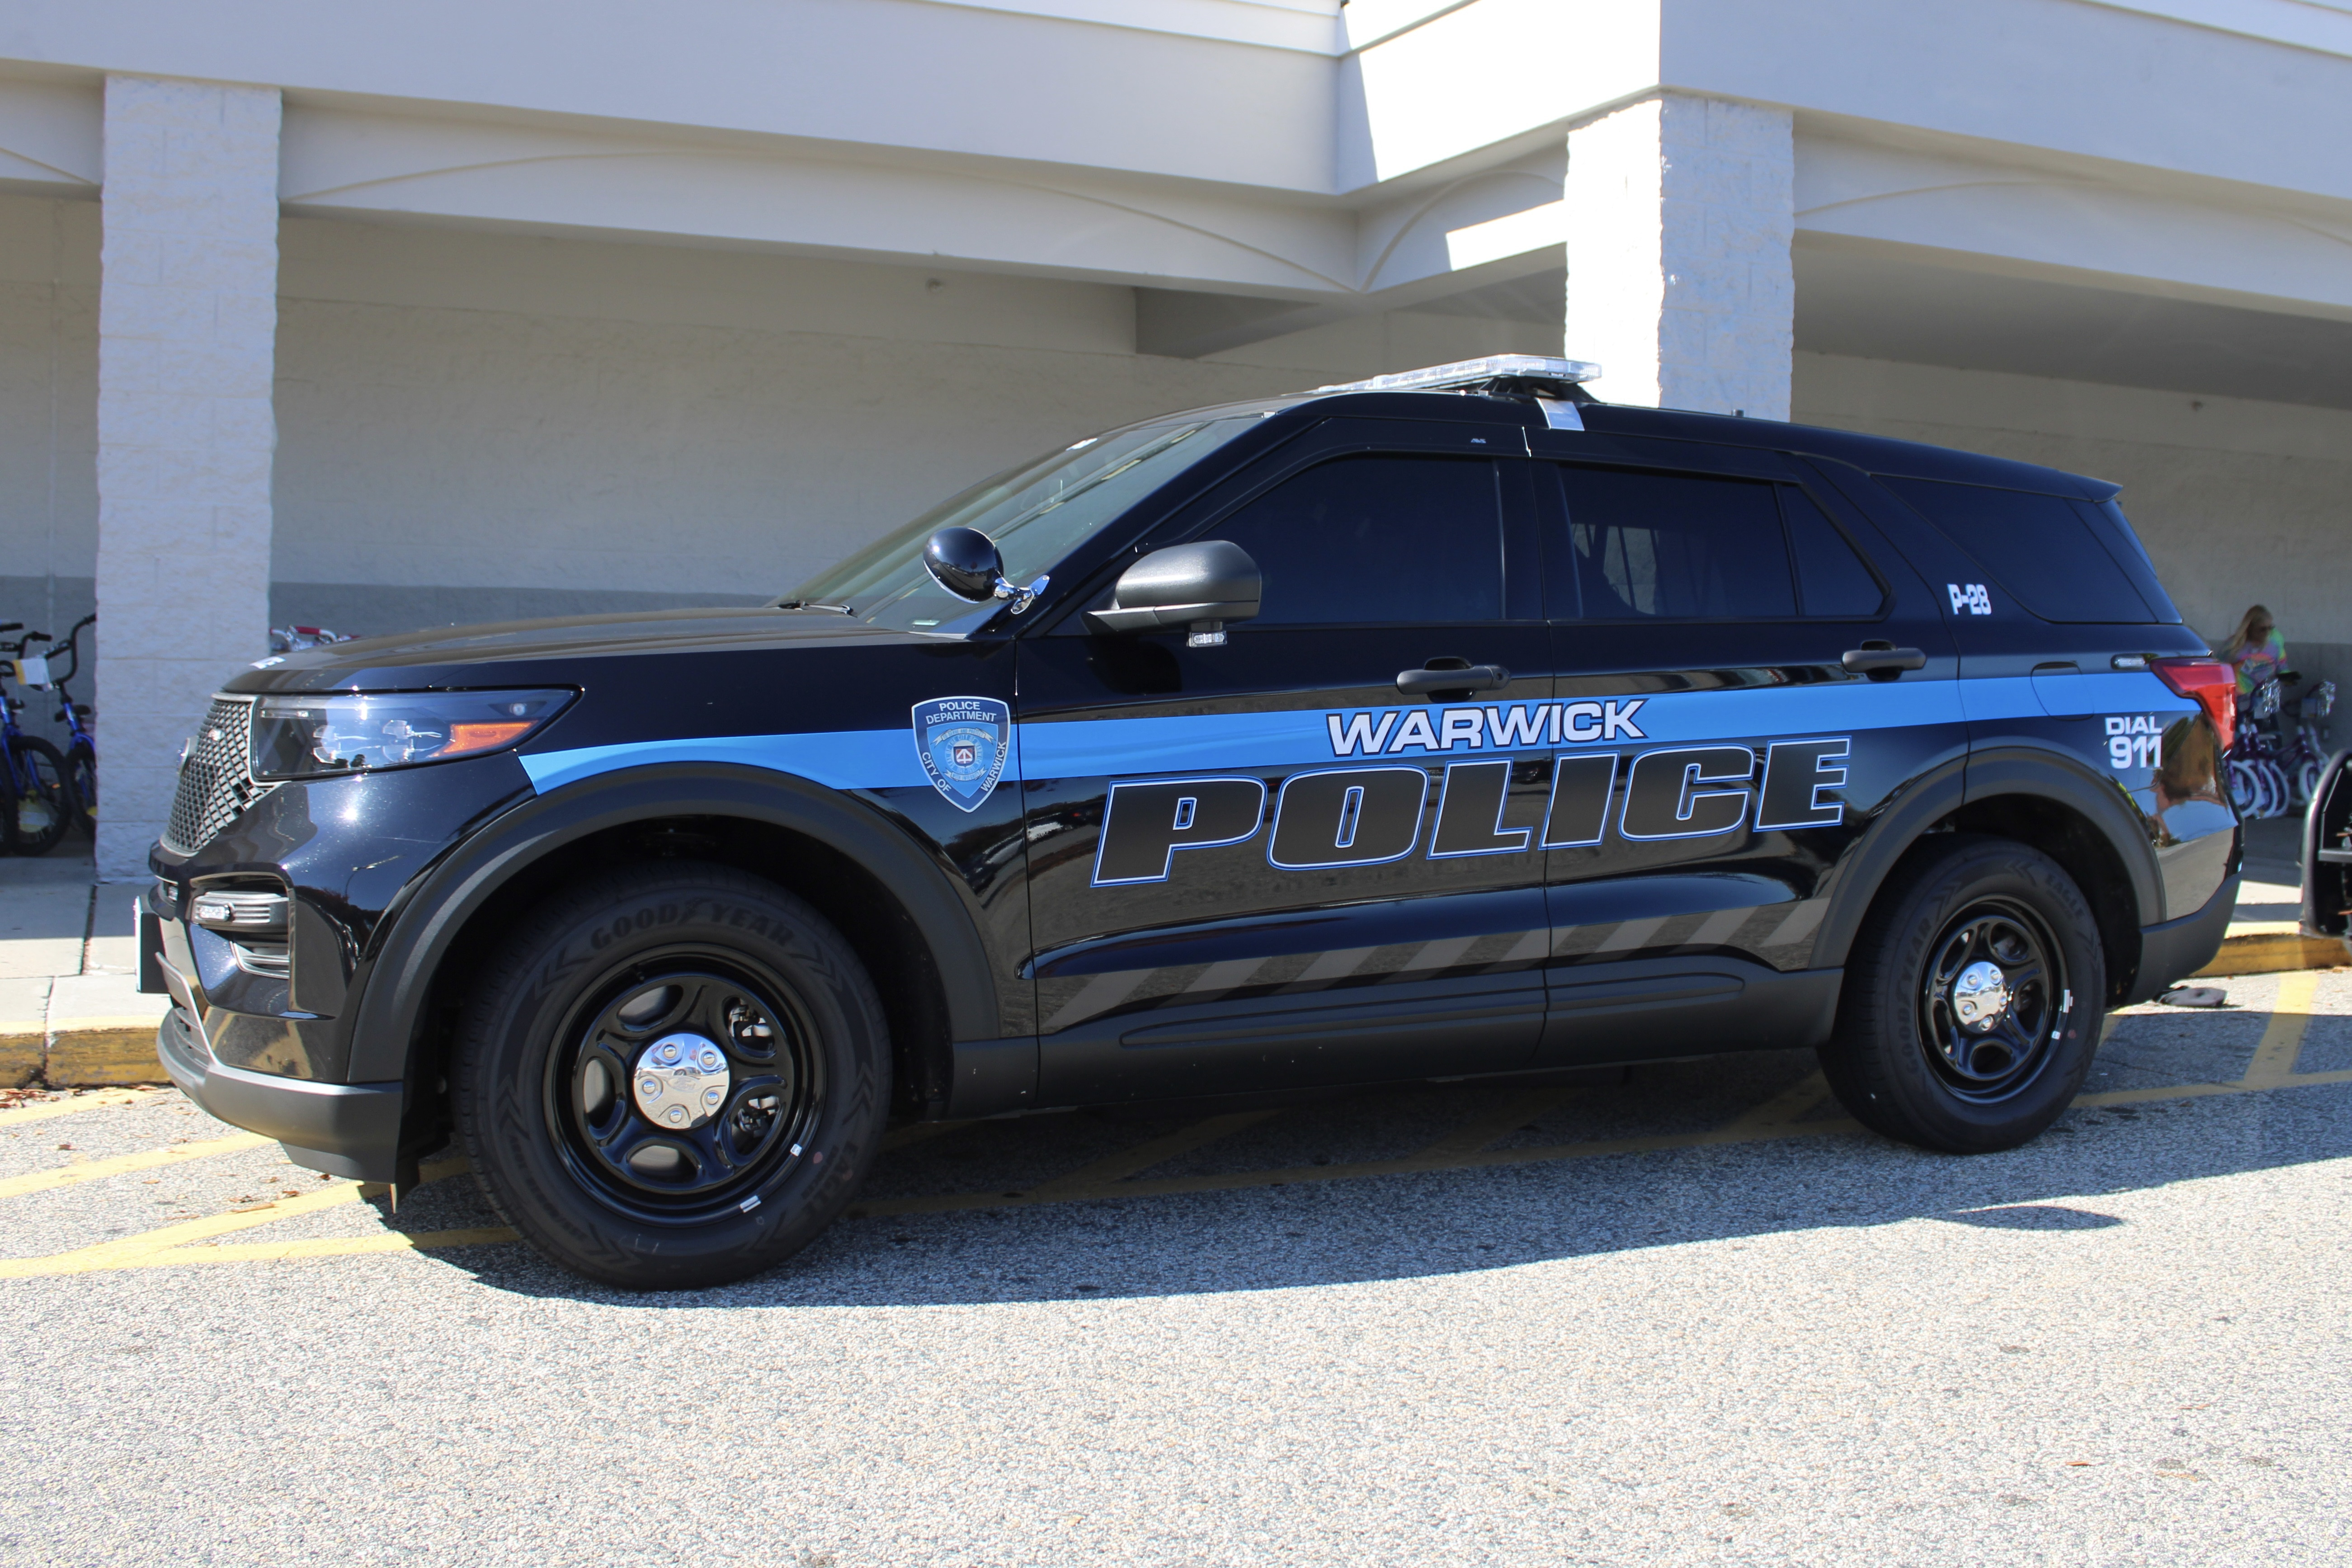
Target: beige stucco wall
476,425
49,410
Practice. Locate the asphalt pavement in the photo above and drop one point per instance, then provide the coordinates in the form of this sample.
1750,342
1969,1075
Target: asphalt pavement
1692,1317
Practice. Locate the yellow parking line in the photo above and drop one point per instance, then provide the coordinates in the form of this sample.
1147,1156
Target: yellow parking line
134,1251
2281,1040
146,1160
1518,1109
1785,1108
95,1100
1113,1171
1117,1174
1745,1129
326,1246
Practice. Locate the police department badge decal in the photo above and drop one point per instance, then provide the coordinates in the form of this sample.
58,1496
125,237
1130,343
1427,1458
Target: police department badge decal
963,742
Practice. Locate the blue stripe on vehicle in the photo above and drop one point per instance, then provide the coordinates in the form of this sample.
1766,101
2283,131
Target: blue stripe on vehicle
838,759
1094,748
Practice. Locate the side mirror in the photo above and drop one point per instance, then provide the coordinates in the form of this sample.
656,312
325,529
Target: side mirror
1200,585
964,562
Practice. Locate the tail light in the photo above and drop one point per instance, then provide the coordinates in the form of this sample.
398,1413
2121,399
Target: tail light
2213,684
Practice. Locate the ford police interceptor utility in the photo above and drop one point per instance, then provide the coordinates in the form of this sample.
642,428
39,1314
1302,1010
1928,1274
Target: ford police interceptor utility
1450,724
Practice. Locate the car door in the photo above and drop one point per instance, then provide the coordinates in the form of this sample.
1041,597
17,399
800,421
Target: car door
1261,864
1709,607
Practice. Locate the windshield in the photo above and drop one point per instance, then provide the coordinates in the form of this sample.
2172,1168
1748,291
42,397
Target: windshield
1037,513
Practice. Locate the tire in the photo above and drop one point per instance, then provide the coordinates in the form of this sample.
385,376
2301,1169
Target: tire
2245,787
562,1039
2276,801
40,806
1903,1060
2307,774
81,779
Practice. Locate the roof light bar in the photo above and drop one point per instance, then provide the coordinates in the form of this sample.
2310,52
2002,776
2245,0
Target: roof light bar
1478,373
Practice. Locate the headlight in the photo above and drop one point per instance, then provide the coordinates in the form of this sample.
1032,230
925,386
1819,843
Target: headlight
297,737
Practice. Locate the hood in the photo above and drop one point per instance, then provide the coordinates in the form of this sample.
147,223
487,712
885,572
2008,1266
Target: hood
469,654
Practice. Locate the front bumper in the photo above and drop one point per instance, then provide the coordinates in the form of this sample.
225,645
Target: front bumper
346,1129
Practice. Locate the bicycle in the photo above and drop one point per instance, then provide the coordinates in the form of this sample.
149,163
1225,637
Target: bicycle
38,811
81,749
2272,769
2304,762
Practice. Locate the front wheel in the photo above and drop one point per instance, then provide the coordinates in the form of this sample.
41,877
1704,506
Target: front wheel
672,1076
1972,1001
81,783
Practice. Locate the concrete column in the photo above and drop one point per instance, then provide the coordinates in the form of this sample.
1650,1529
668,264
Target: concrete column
187,330
1681,212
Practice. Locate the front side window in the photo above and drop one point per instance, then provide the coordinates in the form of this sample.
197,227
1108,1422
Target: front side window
1036,512
1377,539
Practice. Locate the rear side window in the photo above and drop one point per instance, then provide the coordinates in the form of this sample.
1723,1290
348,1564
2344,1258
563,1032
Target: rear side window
1676,547
1364,541
2107,520
1836,585
2038,548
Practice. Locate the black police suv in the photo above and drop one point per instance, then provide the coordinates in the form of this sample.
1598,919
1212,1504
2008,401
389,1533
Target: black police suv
1446,724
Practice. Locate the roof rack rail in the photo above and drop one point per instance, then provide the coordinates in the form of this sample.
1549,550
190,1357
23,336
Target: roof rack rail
1468,373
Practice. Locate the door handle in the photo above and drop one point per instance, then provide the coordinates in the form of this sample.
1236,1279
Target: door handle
1465,678
1882,661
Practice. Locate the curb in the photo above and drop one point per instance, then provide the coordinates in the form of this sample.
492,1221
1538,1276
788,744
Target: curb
2266,951
103,1053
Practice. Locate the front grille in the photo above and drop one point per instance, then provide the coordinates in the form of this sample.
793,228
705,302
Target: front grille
216,781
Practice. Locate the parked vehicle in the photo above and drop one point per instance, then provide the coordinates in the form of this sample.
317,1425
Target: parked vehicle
36,801
1443,725
81,748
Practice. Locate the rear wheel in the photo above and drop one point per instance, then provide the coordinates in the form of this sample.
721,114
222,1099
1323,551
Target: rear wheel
672,1076
42,808
1972,1002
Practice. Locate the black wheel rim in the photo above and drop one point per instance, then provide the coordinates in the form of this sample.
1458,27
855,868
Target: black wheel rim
1994,1000
768,1085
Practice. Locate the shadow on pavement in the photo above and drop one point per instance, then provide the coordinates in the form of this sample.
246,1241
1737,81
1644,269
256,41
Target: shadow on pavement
1312,1233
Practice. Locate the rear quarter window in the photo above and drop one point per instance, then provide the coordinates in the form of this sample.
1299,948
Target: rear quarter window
2041,550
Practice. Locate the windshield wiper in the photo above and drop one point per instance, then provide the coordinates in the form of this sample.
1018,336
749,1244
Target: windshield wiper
807,605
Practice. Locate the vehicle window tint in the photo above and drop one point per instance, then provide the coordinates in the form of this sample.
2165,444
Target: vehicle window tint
2116,532
1676,547
2036,547
1833,579
1367,539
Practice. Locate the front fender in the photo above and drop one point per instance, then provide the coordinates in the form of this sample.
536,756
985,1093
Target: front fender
419,930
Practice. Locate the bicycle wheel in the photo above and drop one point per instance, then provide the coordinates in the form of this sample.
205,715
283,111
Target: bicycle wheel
81,782
44,803
2273,786
2245,787
2307,774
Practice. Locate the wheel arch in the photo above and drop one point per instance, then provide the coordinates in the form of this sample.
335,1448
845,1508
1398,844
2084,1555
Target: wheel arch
911,923
2044,799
